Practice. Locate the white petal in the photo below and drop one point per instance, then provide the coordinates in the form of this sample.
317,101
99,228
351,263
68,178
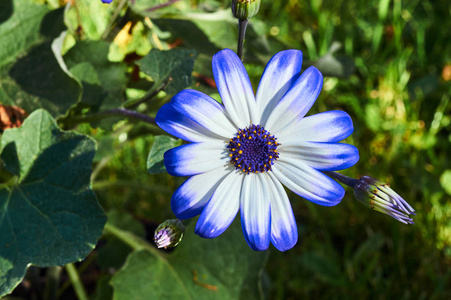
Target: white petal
330,126
284,232
222,207
234,87
307,182
280,73
196,158
192,196
256,211
296,102
205,111
321,156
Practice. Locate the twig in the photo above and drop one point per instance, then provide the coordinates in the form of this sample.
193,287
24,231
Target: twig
157,7
131,114
109,113
150,95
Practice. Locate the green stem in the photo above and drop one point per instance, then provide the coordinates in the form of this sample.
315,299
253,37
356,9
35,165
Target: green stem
242,25
76,282
134,242
351,182
52,280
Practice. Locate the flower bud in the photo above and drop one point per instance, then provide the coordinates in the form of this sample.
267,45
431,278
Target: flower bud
169,233
245,9
107,1
380,197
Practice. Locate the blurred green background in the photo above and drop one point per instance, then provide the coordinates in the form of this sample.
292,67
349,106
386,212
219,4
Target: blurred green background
393,76
386,62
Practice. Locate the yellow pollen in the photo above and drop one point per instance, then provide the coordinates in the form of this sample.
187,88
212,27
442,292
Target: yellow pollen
250,138
240,152
230,154
270,156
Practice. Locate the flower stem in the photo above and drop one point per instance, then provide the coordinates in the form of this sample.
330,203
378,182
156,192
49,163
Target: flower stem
161,5
76,282
351,182
242,25
131,240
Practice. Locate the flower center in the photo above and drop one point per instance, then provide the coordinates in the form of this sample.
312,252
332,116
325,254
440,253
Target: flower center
253,149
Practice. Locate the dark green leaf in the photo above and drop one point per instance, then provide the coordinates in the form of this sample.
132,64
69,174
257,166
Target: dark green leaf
20,28
49,215
103,81
155,161
37,81
175,65
222,268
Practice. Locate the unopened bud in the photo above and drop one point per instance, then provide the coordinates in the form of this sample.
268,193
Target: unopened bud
169,233
380,197
245,9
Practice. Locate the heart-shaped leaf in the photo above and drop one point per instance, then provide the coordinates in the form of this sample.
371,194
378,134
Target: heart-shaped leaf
48,213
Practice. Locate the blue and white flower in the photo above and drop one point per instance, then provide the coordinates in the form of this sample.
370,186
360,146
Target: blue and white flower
243,151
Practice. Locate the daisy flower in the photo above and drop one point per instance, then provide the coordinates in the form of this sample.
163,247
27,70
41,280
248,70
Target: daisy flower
244,151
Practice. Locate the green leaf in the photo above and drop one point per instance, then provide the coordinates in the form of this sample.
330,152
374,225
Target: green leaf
220,268
103,81
175,65
49,216
20,27
37,81
155,160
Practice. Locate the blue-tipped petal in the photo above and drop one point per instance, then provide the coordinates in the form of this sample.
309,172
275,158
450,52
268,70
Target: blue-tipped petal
195,158
284,232
191,197
222,207
280,73
205,111
181,126
234,87
321,156
307,182
296,102
255,210
330,126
